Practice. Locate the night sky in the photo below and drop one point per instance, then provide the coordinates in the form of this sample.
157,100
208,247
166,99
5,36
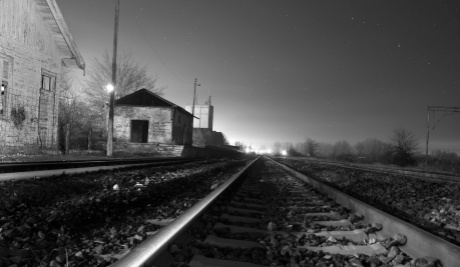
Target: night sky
285,70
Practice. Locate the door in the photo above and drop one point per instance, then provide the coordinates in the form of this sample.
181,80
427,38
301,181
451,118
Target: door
139,131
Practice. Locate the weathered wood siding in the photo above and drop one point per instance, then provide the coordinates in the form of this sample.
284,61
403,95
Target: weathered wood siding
28,42
20,21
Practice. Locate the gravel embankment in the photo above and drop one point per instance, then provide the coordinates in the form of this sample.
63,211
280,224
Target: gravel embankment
434,206
91,219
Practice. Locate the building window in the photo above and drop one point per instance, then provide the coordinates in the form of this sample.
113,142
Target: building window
139,131
5,79
48,80
3,97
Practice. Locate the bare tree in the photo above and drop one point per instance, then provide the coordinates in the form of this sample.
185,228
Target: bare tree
445,160
311,147
372,150
70,109
130,78
342,150
403,144
80,126
300,147
325,150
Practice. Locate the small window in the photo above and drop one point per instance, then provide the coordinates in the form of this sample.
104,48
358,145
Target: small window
5,79
3,97
48,80
139,131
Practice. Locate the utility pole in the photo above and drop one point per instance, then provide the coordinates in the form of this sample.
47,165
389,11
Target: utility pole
434,109
194,97
427,137
114,82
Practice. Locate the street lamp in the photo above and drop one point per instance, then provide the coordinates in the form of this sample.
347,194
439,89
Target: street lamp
109,88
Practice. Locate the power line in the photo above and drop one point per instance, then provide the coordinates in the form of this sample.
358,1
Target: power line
433,109
155,52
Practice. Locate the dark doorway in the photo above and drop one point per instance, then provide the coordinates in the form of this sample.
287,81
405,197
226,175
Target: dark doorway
139,131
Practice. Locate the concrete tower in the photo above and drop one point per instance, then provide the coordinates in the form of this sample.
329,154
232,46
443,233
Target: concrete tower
205,113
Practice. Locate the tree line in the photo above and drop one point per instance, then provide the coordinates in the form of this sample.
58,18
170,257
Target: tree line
401,149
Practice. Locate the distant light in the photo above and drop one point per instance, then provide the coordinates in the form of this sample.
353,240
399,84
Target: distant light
284,152
109,87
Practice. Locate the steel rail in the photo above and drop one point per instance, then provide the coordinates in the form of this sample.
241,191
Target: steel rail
420,243
85,160
392,170
12,166
49,173
152,250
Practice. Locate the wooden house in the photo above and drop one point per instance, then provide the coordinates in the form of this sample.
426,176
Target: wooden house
35,46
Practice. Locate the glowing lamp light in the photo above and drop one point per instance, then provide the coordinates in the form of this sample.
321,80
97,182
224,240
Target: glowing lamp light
109,88
284,152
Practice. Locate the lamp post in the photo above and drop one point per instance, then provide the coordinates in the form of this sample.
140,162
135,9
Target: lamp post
110,89
114,82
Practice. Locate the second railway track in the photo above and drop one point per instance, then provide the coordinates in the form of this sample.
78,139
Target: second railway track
20,171
270,215
52,165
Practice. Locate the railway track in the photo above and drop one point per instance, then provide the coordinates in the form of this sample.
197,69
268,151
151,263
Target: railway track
20,171
432,204
52,165
91,219
271,215
413,173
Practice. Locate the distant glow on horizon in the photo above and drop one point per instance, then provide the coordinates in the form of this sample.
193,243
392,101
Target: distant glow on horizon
258,151
284,152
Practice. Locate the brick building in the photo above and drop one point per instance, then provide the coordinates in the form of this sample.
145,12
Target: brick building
144,117
35,46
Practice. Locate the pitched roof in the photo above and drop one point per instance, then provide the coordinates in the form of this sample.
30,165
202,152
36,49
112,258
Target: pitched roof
53,18
144,97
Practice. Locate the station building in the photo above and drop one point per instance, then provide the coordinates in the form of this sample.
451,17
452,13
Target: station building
144,121
35,46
